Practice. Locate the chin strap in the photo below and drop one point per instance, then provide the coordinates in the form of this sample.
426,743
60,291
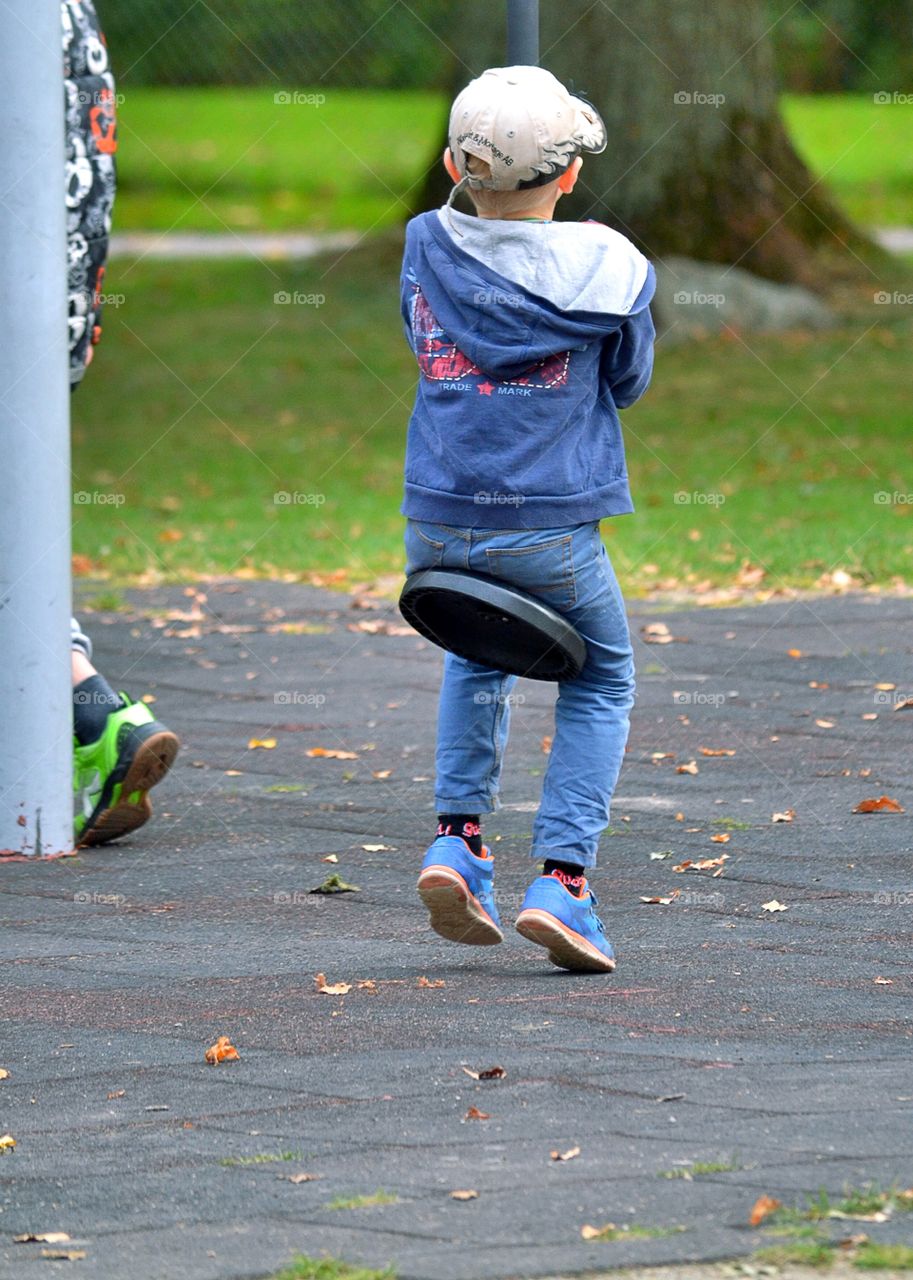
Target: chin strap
463,183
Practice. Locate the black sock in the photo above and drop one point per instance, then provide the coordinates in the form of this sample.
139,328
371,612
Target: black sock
93,702
462,824
572,876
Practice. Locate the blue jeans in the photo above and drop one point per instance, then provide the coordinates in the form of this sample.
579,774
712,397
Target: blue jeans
570,569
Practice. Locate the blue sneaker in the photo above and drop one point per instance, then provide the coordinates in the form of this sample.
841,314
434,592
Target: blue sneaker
456,887
554,917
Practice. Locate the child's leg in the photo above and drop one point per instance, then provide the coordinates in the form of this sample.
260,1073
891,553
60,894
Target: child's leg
472,730
591,723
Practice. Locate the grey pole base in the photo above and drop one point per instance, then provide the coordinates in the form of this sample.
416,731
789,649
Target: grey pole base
36,729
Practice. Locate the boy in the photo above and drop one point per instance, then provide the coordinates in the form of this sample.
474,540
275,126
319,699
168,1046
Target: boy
120,750
529,335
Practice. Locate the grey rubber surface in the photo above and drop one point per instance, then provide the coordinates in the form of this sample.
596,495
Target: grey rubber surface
729,1035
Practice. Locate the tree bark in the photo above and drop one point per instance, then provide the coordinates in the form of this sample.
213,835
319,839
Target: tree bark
698,162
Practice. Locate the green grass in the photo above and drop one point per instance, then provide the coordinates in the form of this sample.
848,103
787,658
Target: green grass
305,1268
884,1257
267,1157
254,163
803,1253
863,150
701,1168
363,1202
206,399
636,1232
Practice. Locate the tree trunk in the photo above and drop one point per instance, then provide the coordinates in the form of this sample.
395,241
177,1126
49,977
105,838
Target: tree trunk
698,162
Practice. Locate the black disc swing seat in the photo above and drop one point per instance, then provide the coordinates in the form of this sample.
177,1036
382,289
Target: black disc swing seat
497,626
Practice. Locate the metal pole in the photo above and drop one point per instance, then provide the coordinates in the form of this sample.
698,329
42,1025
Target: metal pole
36,716
523,33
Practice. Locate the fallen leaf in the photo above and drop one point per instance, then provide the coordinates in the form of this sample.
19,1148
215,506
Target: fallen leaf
786,816
825,724
381,773
883,982
298,1178
662,755
7,1142
711,751
475,1114
376,848
335,884
764,1206
561,1156
65,1255
884,804
222,1051
464,1195
660,855
773,905
427,982
234,773
722,838
367,985
853,1242
4,1074
663,901
264,744
679,817
331,857
331,754
879,1216
690,767
794,653
903,704
598,1233
118,1093
42,1237
337,989
546,744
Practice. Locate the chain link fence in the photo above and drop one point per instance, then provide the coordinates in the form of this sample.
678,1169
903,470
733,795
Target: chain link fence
370,43
821,45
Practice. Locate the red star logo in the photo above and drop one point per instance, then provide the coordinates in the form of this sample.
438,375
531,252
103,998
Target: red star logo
485,388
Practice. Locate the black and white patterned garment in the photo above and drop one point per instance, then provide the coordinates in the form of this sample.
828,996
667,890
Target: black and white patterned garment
91,142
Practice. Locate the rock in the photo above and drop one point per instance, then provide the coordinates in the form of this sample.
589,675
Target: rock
699,299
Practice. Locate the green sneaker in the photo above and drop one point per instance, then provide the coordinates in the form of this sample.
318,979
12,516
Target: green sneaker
112,776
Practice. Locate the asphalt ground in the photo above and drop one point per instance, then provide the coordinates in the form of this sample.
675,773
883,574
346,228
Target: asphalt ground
770,1047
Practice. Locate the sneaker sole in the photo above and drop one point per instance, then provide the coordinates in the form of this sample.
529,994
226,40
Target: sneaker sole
566,948
154,757
456,914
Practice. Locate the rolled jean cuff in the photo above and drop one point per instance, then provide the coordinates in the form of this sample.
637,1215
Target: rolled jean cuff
472,804
561,853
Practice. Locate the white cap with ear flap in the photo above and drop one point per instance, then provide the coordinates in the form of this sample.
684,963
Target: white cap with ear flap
525,125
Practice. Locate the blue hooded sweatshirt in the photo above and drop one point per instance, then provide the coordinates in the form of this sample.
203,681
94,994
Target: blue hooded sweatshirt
530,336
